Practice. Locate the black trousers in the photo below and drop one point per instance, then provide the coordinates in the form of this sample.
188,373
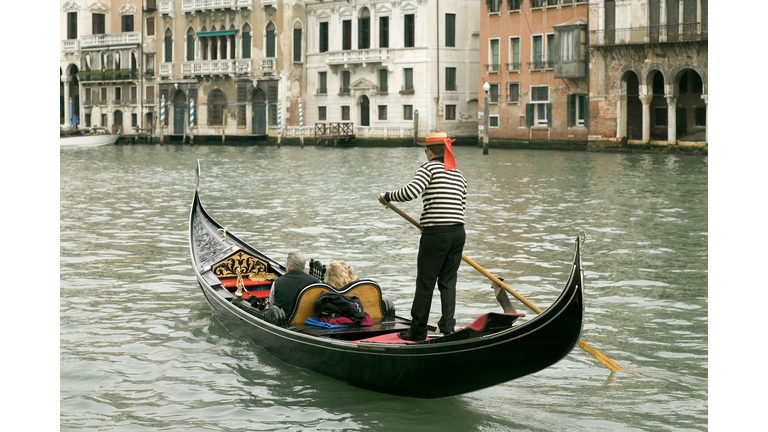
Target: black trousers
440,251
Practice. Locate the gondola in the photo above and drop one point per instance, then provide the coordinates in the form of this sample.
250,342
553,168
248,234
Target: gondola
494,349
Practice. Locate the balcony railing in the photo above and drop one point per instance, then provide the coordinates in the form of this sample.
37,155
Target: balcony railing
265,3
108,75
166,69
70,46
243,67
492,68
149,73
208,67
541,65
268,65
358,56
686,32
513,67
166,6
111,39
200,5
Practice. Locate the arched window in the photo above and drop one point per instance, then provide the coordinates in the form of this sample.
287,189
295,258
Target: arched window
216,103
247,41
190,44
271,31
364,29
297,41
118,118
168,46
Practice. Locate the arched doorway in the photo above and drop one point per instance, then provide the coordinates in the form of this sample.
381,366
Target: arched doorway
364,111
691,116
179,109
659,108
117,125
632,117
216,103
259,112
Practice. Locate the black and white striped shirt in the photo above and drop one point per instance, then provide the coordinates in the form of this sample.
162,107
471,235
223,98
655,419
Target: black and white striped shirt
444,194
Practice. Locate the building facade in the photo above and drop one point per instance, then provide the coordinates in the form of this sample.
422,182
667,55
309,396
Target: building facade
100,57
533,55
375,63
649,68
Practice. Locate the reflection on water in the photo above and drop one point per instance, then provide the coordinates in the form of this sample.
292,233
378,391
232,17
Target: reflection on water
140,349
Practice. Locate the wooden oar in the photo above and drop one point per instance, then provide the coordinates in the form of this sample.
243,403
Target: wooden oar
585,346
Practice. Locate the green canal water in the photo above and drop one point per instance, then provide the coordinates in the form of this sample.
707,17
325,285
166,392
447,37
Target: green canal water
140,350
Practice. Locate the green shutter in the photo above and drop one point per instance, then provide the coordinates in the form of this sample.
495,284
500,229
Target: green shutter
516,53
168,49
383,85
571,110
297,45
190,47
270,44
246,45
450,30
529,115
549,114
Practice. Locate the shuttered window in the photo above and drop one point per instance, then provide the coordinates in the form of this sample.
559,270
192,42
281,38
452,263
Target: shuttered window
346,35
383,32
72,25
409,31
190,45
383,85
297,45
323,37
271,40
450,79
321,82
408,78
168,46
364,33
450,30
127,23
247,42
97,23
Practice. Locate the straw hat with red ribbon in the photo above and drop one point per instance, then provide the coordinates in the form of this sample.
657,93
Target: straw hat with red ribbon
442,138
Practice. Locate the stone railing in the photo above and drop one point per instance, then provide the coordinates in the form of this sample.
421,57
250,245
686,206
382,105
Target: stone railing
267,3
243,67
70,46
166,69
268,66
358,56
686,32
383,132
208,67
200,5
295,132
166,6
111,39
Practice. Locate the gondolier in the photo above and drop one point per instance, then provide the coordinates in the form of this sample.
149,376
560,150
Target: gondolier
444,193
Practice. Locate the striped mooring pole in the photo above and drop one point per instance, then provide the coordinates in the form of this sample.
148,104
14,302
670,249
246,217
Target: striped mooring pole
191,120
279,121
301,124
162,117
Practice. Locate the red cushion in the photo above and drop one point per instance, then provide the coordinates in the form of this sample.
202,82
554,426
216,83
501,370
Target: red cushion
386,338
232,283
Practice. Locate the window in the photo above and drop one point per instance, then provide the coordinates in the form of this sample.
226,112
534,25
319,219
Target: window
450,112
344,82
118,94
168,46
97,23
513,92
134,120
190,44
271,30
150,26
450,30
321,82
514,5
700,114
150,90
537,53
552,2
538,3
538,112
493,93
407,112
346,35
103,95
323,37
550,51
216,104
345,112
493,121
409,36
493,5
72,25
384,32
577,110
247,41
493,56
118,118
661,117
133,94
450,79
297,45
408,79
321,113
149,64
104,120
383,75
364,30
126,23
382,112
514,54
87,95
87,120
566,46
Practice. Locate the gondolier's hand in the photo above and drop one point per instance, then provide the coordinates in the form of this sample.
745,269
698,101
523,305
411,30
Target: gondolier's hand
382,201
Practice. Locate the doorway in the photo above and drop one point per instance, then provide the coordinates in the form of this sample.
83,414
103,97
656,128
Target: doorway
179,109
259,113
365,111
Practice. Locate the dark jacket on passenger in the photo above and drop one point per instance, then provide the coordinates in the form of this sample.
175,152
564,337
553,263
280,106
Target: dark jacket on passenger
286,286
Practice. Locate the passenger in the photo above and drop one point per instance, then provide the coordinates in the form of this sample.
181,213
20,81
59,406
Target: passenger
284,289
339,274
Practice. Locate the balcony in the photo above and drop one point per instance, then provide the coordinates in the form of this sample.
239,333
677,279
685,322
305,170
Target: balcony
686,32
570,69
208,67
211,5
166,69
268,66
358,56
541,65
166,7
105,40
513,67
243,67
108,75
269,3
70,46
492,68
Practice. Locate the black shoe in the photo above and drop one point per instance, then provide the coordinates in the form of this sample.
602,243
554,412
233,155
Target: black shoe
409,336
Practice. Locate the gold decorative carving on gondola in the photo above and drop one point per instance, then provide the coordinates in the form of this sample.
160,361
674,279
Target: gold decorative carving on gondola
245,265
